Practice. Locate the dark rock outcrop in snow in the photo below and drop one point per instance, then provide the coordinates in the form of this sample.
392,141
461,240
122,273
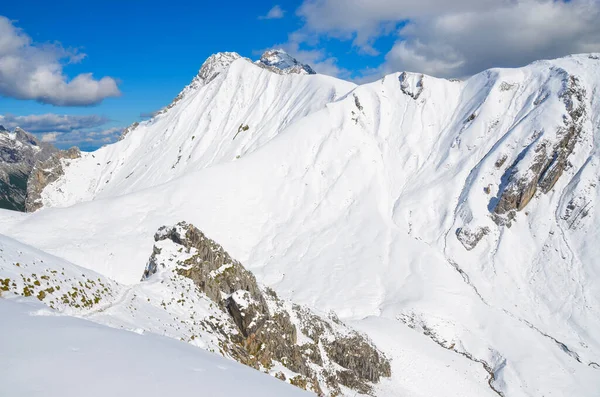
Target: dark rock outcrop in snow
469,238
281,62
411,84
551,157
44,173
266,330
19,151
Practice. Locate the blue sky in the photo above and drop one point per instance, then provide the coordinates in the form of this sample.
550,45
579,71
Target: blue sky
151,50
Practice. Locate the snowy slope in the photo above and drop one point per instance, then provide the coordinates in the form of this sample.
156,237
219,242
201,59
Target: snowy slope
232,108
48,355
169,305
182,298
380,206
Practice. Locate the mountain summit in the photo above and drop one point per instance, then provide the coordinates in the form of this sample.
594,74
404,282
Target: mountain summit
280,61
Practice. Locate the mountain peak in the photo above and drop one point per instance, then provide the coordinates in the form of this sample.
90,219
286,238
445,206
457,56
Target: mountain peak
215,64
280,61
211,68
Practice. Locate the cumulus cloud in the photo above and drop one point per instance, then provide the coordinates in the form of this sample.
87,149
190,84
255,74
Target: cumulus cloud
52,122
64,130
274,13
31,70
49,137
86,140
461,37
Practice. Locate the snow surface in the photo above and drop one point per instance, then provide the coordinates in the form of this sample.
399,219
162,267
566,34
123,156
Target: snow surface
284,62
351,203
49,355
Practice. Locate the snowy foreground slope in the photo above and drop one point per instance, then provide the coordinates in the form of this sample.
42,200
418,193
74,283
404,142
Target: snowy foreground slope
193,291
50,355
452,221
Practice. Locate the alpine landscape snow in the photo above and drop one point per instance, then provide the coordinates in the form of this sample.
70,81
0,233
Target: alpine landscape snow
274,227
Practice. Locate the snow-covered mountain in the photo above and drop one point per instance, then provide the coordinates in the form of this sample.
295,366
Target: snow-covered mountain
19,151
280,61
193,291
453,222
51,355
231,108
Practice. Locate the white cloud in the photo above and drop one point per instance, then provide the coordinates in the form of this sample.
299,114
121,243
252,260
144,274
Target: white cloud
274,13
30,70
52,122
65,130
49,137
82,138
458,38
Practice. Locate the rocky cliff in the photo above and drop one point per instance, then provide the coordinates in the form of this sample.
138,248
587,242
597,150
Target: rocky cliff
264,331
540,172
19,151
46,172
281,62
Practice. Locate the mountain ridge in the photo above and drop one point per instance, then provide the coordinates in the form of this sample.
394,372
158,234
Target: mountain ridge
376,202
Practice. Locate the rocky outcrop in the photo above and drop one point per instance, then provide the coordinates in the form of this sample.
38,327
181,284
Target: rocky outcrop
46,172
281,62
19,151
540,171
411,84
468,238
264,330
127,130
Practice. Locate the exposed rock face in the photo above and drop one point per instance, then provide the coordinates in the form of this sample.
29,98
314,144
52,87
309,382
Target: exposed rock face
128,130
44,173
265,330
550,158
468,238
281,62
19,151
411,84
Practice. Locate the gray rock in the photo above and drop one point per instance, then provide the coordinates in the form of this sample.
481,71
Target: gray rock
281,62
551,159
405,85
44,173
265,324
19,151
468,238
